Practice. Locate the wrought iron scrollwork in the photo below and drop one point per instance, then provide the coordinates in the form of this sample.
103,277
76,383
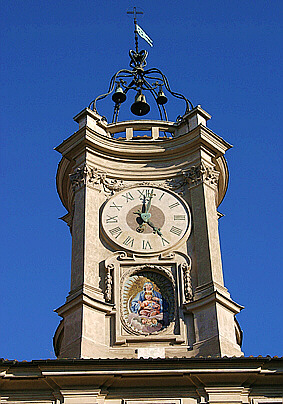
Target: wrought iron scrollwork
139,79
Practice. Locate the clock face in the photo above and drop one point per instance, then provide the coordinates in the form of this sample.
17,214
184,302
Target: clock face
146,219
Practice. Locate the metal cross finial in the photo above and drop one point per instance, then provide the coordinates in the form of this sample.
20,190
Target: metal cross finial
135,12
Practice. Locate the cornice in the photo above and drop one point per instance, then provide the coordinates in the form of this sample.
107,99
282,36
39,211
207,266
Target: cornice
211,298
81,300
142,149
221,363
134,160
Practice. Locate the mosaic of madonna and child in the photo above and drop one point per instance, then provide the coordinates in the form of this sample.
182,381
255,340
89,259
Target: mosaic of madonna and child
148,302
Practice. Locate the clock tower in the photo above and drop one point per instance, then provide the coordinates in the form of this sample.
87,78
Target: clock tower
142,199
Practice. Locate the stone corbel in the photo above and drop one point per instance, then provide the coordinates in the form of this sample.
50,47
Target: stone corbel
202,173
79,177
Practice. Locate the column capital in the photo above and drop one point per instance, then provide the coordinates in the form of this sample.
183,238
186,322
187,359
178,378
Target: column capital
202,173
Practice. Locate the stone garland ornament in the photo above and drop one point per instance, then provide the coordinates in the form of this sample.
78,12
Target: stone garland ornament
108,282
171,184
97,179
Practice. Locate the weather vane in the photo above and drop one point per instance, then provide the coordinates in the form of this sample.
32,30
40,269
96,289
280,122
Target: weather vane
140,80
138,30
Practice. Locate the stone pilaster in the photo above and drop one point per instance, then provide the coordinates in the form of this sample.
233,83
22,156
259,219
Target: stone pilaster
85,307
202,181
212,308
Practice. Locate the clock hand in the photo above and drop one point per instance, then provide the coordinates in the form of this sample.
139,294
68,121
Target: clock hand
155,229
143,205
141,226
149,202
145,220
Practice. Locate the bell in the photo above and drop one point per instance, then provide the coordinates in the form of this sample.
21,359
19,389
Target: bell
119,96
140,107
161,97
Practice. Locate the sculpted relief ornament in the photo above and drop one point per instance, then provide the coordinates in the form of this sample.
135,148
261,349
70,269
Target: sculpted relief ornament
98,179
202,173
188,291
95,178
108,282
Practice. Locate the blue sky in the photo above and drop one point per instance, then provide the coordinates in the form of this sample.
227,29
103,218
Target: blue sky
57,57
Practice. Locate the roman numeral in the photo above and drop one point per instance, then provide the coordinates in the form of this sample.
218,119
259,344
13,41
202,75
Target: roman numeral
112,219
118,207
146,245
163,193
145,193
128,196
174,205
129,241
179,217
164,241
116,231
176,230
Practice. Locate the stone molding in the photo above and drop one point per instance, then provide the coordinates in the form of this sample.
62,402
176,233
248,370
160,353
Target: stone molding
182,261
202,174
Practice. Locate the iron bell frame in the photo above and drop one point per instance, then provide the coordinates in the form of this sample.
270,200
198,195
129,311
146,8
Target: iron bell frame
140,80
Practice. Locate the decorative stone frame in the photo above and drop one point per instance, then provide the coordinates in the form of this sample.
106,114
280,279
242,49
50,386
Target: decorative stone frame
122,266
135,270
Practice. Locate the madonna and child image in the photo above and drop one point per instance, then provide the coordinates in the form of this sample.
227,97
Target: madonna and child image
147,306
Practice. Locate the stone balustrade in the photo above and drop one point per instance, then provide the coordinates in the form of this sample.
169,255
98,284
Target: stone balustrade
142,129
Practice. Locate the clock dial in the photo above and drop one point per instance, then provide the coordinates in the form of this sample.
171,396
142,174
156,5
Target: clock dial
146,219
